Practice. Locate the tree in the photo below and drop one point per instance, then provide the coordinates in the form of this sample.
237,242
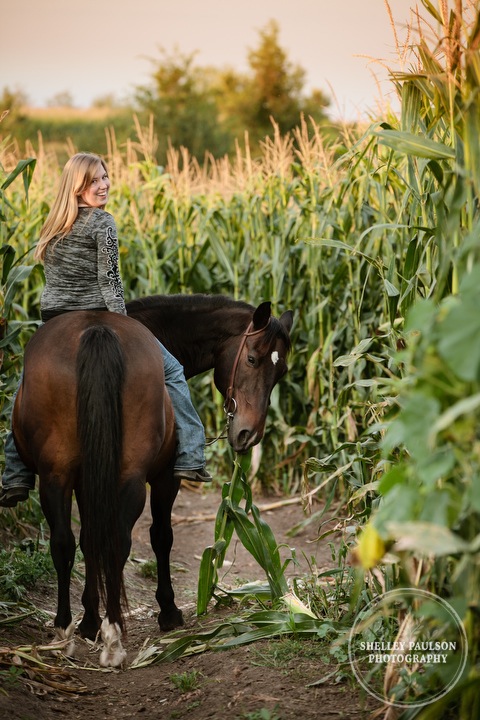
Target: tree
61,99
276,84
183,102
206,109
276,87
12,109
109,101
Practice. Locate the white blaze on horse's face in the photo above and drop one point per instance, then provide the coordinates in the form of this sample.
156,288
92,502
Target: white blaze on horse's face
274,357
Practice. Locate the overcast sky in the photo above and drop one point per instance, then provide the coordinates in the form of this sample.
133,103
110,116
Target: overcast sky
97,47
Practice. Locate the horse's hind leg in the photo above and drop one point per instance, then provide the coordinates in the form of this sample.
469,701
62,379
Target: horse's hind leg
131,504
56,501
131,501
90,623
162,496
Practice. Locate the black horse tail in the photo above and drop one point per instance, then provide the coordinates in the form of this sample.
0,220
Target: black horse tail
100,382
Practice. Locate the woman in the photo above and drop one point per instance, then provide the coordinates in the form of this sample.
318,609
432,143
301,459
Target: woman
79,249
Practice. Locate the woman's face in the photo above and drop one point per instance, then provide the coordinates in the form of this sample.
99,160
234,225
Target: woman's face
96,194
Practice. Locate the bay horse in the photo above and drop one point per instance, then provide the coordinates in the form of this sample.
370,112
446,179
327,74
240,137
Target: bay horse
92,416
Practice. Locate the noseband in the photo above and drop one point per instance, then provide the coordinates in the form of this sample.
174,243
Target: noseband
230,404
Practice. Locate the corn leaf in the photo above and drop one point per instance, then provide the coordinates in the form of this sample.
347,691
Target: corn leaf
415,145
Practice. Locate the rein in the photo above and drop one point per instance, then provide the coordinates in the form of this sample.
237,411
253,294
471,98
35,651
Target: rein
230,404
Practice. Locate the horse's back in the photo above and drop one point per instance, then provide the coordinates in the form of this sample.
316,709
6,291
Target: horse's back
58,340
45,416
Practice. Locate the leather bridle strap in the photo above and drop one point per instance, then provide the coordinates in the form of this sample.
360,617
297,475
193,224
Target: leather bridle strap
230,404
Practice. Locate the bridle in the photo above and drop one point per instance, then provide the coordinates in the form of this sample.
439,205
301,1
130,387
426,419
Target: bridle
230,404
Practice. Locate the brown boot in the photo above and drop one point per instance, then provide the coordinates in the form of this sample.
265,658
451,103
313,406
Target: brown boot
9,497
197,475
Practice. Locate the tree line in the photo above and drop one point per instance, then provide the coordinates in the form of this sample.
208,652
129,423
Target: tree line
204,109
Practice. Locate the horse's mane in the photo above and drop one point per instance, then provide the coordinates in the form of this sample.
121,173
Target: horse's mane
187,302
204,302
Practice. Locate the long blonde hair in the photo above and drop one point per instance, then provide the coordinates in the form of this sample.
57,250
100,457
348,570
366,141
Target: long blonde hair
76,177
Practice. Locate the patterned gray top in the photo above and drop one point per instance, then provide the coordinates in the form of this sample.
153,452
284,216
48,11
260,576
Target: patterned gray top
81,271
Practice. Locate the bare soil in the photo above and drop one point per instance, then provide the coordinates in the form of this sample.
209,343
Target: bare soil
248,682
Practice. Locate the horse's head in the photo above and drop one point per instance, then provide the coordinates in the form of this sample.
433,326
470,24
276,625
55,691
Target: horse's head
251,365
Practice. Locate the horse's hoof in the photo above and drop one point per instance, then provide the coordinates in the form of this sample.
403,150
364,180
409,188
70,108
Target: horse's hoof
89,631
170,620
64,637
113,654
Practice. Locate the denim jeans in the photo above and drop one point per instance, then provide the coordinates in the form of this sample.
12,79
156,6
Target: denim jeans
189,430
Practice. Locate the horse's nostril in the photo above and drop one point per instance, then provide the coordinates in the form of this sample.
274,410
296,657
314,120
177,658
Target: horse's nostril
243,436
244,440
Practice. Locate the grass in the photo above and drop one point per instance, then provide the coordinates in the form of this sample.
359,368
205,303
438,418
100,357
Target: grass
148,569
261,714
186,681
281,654
9,679
69,113
22,567
29,513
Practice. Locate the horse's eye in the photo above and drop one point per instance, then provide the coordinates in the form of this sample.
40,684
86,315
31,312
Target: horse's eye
251,360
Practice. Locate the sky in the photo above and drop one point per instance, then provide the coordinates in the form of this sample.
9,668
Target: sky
97,47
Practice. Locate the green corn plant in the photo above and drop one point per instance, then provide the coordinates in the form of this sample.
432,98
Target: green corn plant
14,275
13,272
256,536
427,510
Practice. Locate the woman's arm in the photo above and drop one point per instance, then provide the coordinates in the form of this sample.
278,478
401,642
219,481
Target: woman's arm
109,279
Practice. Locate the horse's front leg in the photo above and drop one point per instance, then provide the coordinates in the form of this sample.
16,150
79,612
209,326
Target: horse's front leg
56,501
162,496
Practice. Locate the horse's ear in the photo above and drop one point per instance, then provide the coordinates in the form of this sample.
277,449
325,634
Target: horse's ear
287,320
261,315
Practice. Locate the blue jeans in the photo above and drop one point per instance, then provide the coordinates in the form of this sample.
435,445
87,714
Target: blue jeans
189,430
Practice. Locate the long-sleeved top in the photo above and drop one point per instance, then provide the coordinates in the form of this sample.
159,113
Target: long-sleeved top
81,270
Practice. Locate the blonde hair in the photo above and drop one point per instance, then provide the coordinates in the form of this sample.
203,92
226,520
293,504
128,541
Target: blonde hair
76,177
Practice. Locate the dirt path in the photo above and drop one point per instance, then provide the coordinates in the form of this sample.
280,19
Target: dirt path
273,679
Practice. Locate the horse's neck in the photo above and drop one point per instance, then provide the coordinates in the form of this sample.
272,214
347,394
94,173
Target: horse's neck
183,337
194,333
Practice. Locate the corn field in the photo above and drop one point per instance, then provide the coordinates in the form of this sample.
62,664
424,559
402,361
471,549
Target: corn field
374,242
249,229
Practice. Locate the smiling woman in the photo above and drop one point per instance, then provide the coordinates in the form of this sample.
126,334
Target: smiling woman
78,243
